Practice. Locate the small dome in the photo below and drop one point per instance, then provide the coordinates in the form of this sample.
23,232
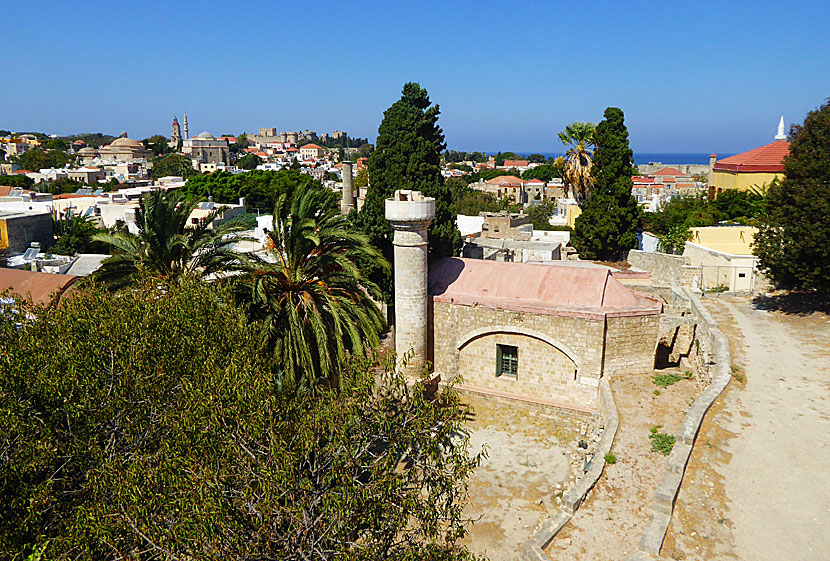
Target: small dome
88,150
206,136
127,142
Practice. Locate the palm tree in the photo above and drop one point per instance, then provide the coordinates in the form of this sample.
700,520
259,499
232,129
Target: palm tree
576,165
167,245
311,294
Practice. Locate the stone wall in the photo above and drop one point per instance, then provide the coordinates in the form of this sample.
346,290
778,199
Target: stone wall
665,268
18,231
561,358
630,344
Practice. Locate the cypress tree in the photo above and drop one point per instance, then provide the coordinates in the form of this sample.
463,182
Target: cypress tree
606,227
793,241
408,156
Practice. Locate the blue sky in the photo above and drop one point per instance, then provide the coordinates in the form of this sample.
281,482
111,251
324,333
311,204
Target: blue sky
690,76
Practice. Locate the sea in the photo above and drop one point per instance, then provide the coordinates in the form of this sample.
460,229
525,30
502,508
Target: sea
649,157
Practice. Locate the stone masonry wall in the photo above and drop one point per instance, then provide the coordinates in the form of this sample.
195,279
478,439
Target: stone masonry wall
630,344
543,370
664,267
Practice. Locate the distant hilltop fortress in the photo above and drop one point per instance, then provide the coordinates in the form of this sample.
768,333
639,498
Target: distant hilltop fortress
269,134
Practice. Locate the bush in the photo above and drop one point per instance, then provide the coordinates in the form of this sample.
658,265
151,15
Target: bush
610,458
665,380
660,441
148,421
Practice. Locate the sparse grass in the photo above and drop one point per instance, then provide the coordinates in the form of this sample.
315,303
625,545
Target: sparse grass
656,392
528,464
665,380
721,520
660,441
718,289
737,373
688,375
610,458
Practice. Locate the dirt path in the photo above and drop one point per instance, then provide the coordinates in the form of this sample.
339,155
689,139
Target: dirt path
758,483
608,525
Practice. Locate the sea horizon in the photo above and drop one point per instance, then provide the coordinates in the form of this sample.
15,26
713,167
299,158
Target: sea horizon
694,158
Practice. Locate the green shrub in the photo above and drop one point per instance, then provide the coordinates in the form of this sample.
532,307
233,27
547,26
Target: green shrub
665,380
660,441
610,458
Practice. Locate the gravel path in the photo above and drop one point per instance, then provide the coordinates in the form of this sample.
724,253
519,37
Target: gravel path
758,483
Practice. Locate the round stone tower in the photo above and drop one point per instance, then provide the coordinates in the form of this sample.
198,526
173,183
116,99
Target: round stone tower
410,214
347,202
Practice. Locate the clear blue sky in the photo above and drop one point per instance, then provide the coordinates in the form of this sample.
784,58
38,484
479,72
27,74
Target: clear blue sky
690,76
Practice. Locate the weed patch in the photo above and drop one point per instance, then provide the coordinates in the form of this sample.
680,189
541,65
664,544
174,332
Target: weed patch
660,441
665,380
610,458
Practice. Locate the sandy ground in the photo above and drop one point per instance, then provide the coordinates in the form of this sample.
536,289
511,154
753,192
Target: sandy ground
609,523
758,483
513,488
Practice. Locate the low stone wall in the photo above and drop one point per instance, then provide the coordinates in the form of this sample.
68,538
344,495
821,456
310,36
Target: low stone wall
666,269
534,548
711,361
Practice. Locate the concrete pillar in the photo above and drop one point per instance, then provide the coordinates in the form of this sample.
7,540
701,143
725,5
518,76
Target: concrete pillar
347,202
410,214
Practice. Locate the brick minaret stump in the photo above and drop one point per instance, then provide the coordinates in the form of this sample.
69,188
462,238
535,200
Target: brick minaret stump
347,202
410,214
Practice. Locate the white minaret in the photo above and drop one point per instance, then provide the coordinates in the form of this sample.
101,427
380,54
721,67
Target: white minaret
781,135
410,214
186,132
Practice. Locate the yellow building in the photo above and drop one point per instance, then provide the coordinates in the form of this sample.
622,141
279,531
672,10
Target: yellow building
750,169
736,240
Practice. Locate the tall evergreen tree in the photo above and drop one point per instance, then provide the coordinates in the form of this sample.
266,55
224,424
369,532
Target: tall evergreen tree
605,229
408,156
793,243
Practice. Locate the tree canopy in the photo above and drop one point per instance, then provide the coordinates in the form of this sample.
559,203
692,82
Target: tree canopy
36,159
158,144
261,189
793,243
75,234
606,227
148,425
545,172
173,165
408,156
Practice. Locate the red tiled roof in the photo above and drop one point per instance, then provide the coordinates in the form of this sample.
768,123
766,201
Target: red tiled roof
516,163
534,182
642,179
40,286
312,146
668,179
669,171
545,289
768,158
292,149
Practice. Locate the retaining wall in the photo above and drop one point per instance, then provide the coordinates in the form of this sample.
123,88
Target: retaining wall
712,362
534,548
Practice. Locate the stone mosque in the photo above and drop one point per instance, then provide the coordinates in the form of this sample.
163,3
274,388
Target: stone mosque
544,333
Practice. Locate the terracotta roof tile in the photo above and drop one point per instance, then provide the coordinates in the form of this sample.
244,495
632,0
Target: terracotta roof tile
40,286
668,171
768,158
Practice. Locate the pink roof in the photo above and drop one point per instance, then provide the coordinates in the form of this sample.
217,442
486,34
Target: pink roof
588,292
516,163
768,158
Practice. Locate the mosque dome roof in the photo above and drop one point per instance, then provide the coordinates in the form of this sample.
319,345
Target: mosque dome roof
206,136
126,143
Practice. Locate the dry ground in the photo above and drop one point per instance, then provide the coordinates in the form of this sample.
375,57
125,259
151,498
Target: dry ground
609,523
527,454
758,482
